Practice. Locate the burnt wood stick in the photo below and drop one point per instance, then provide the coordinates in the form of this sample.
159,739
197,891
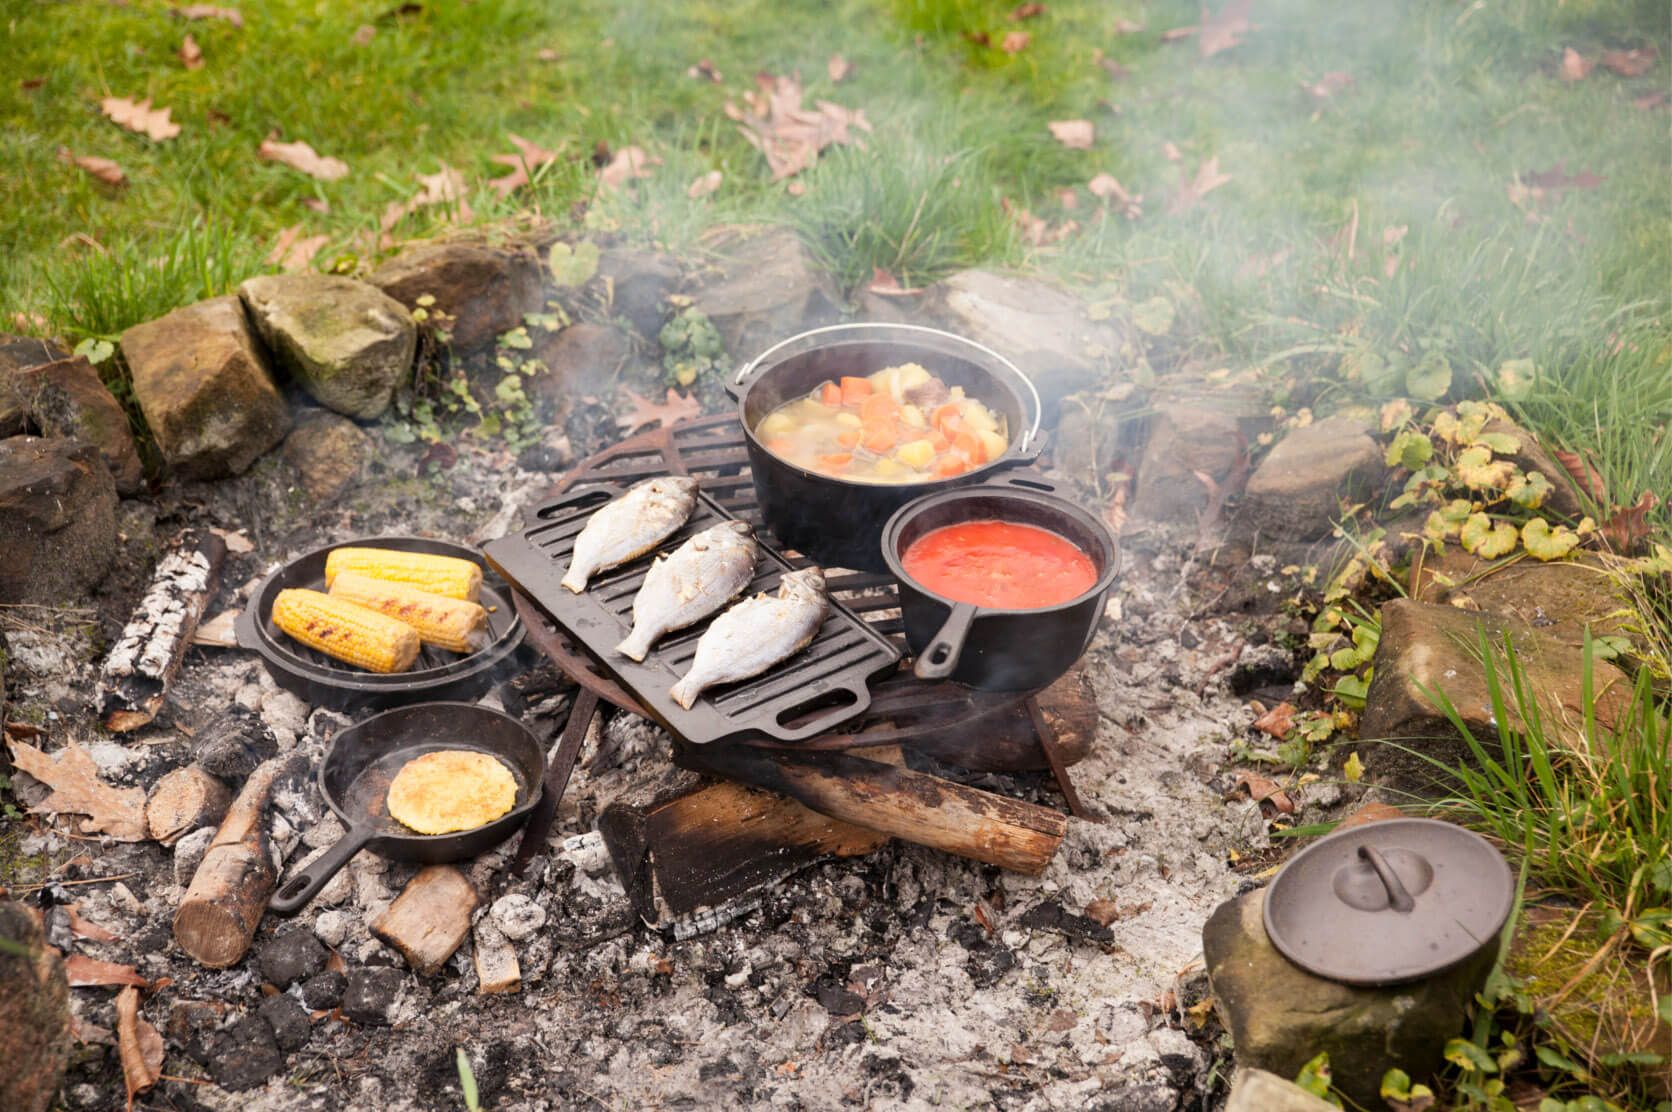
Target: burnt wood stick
912,806
429,919
622,824
183,800
138,671
222,907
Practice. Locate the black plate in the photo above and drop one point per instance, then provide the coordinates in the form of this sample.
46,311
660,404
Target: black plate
811,693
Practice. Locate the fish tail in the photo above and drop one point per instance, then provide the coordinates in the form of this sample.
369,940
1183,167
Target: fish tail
685,692
575,578
636,645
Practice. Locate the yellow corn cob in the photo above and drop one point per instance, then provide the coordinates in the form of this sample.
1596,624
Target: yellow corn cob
450,623
439,575
346,630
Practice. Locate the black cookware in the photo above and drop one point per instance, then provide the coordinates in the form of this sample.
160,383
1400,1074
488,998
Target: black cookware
362,760
838,522
997,650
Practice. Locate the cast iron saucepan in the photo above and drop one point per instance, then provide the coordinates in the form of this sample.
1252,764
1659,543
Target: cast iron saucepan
362,760
838,522
992,649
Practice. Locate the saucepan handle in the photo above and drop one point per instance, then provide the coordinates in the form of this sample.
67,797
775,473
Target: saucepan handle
940,656
305,885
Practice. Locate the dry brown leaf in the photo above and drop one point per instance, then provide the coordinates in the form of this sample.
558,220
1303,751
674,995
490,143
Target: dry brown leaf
1262,789
1649,101
704,70
292,251
317,204
77,789
1557,178
704,184
1192,190
547,54
1220,31
139,1045
84,971
1628,526
30,84
1278,722
1026,11
1630,63
646,413
1108,188
1125,26
140,117
885,284
529,157
629,164
1014,42
1170,151
191,54
1036,230
1102,912
1575,66
838,68
444,187
1588,478
84,928
1329,84
102,168
1076,135
363,35
300,156
210,11
1368,813
790,136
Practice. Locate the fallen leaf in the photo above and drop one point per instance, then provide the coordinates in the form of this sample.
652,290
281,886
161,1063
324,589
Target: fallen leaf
292,251
209,11
139,1045
300,156
1171,152
979,38
1036,230
30,84
646,413
1125,26
629,163
1557,178
1278,722
84,971
1262,789
444,187
1026,11
1628,526
191,55
790,136
1102,912
1114,69
1329,84
838,68
317,204
1368,813
1014,42
363,35
102,168
1207,179
1588,478
1649,101
705,70
1076,135
547,54
530,156
1108,188
1353,769
77,789
704,184
886,285
1575,66
140,117
1217,32
1630,63
83,928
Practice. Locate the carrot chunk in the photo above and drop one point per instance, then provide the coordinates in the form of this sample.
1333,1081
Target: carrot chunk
830,394
970,444
855,390
950,466
847,438
877,408
943,415
879,437
780,446
836,462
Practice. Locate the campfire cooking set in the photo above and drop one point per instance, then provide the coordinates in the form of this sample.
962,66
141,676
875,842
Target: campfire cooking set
752,583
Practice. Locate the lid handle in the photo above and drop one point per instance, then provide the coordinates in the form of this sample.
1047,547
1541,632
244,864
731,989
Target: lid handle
1398,897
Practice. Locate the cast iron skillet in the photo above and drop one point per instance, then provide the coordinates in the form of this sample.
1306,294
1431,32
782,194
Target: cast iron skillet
837,522
362,760
998,650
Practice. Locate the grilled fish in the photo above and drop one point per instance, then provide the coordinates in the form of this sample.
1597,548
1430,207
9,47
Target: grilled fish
630,526
702,575
756,634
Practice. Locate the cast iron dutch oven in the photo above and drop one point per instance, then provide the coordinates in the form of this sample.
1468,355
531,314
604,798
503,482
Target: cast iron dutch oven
992,649
838,522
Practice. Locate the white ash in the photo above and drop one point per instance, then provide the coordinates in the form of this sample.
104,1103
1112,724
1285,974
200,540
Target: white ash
335,926
249,697
517,916
323,832
188,854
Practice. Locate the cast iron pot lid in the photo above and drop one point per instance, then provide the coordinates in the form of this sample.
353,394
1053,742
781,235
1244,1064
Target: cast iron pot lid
1389,901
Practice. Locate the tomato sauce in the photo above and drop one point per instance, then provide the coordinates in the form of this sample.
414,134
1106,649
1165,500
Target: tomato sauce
1000,564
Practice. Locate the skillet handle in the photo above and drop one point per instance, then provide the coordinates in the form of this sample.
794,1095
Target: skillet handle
940,656
300,889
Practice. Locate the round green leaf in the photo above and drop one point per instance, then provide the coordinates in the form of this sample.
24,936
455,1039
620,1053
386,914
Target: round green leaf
1546,543
1429,379
1154,316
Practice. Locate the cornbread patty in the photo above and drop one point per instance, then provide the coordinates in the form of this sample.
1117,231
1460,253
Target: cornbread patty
451,789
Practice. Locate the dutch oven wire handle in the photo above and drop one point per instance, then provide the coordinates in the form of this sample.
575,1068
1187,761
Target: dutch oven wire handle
734,387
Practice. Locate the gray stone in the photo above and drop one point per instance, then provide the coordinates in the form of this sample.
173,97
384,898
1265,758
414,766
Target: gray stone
291,957
57,519
484,289
768,289
66,398
287,1019
327,452
188,854
639,282
1186,441
371,992
1296,492
20,353
348,343
244,1055
1042,327
1280,1016
202,382
1259,1091
333,926
1423,646
579,359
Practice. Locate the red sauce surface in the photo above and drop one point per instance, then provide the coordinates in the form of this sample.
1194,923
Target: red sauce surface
1000,564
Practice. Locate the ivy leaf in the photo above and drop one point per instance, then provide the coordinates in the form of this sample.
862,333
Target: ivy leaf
1546,543
1503,443
1352,691
94,350
1410,450
1314,1077
574,266
1487,540
1154,316
1516,378
1398,1090
1468,1056
1529,491
1429,379
1477,470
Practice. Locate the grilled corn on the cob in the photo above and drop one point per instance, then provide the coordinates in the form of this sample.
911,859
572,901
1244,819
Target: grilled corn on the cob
346,630
440,575
448,623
